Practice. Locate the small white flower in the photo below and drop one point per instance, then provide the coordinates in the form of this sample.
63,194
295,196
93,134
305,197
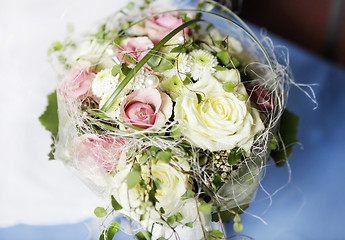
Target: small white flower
104,83
182,66
202,63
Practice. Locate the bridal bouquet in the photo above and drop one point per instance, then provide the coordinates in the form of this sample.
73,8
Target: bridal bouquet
170,116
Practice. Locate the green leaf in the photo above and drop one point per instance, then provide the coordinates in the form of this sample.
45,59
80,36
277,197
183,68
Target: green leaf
164,65
133,178
161,238
234,62
234,157
220,68
112,230
179,217
144,235
206,208
229,87
115,204
238,227
226,216
164,156
199,97
187,194
237,218
49,119
190,225
155,60
171,220
161,210
130,6
175,132
288,134
130,75
125,69
177,49
216,234
223,57
55,46
100,212
116,69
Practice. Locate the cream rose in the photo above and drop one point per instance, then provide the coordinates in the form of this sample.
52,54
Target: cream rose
223,120
174,185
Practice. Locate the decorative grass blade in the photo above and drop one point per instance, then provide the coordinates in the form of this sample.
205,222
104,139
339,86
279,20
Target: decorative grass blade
140,64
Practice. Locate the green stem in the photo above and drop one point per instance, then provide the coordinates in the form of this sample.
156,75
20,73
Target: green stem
140,64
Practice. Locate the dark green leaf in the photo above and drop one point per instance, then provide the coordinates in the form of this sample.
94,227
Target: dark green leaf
100,212
115,204
199,97
161,210
144,235
125,69
288,134
177,49
113,229
49,119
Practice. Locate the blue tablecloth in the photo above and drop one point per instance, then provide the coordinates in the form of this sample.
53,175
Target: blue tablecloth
311,205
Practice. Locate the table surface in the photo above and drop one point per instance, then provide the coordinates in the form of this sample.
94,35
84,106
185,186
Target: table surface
304,200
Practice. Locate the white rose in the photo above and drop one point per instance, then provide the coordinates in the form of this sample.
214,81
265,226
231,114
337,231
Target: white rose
93,52
174,185
223,120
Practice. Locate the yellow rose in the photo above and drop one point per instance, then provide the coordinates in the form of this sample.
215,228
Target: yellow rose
223,120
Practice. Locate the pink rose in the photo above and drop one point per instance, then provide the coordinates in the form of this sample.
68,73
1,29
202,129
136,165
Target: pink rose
146,108
261,97
78,82
95,152
136,47
156,28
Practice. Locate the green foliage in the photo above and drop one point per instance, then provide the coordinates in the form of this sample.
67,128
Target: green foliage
234,157
112,230
214,235
144,235
116,69
164,65
171,220
238,227
226,216
50,120
199,97
188,194
55,46
190,225
229,87
164,156
100,212
130,6
115,204
288,134
206,208
220,68
223,57
133,179
178,217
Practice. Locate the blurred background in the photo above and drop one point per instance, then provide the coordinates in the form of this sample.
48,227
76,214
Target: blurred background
315,25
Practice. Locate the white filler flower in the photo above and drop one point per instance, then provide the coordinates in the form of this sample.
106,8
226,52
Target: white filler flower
104,83
223,120
202,63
